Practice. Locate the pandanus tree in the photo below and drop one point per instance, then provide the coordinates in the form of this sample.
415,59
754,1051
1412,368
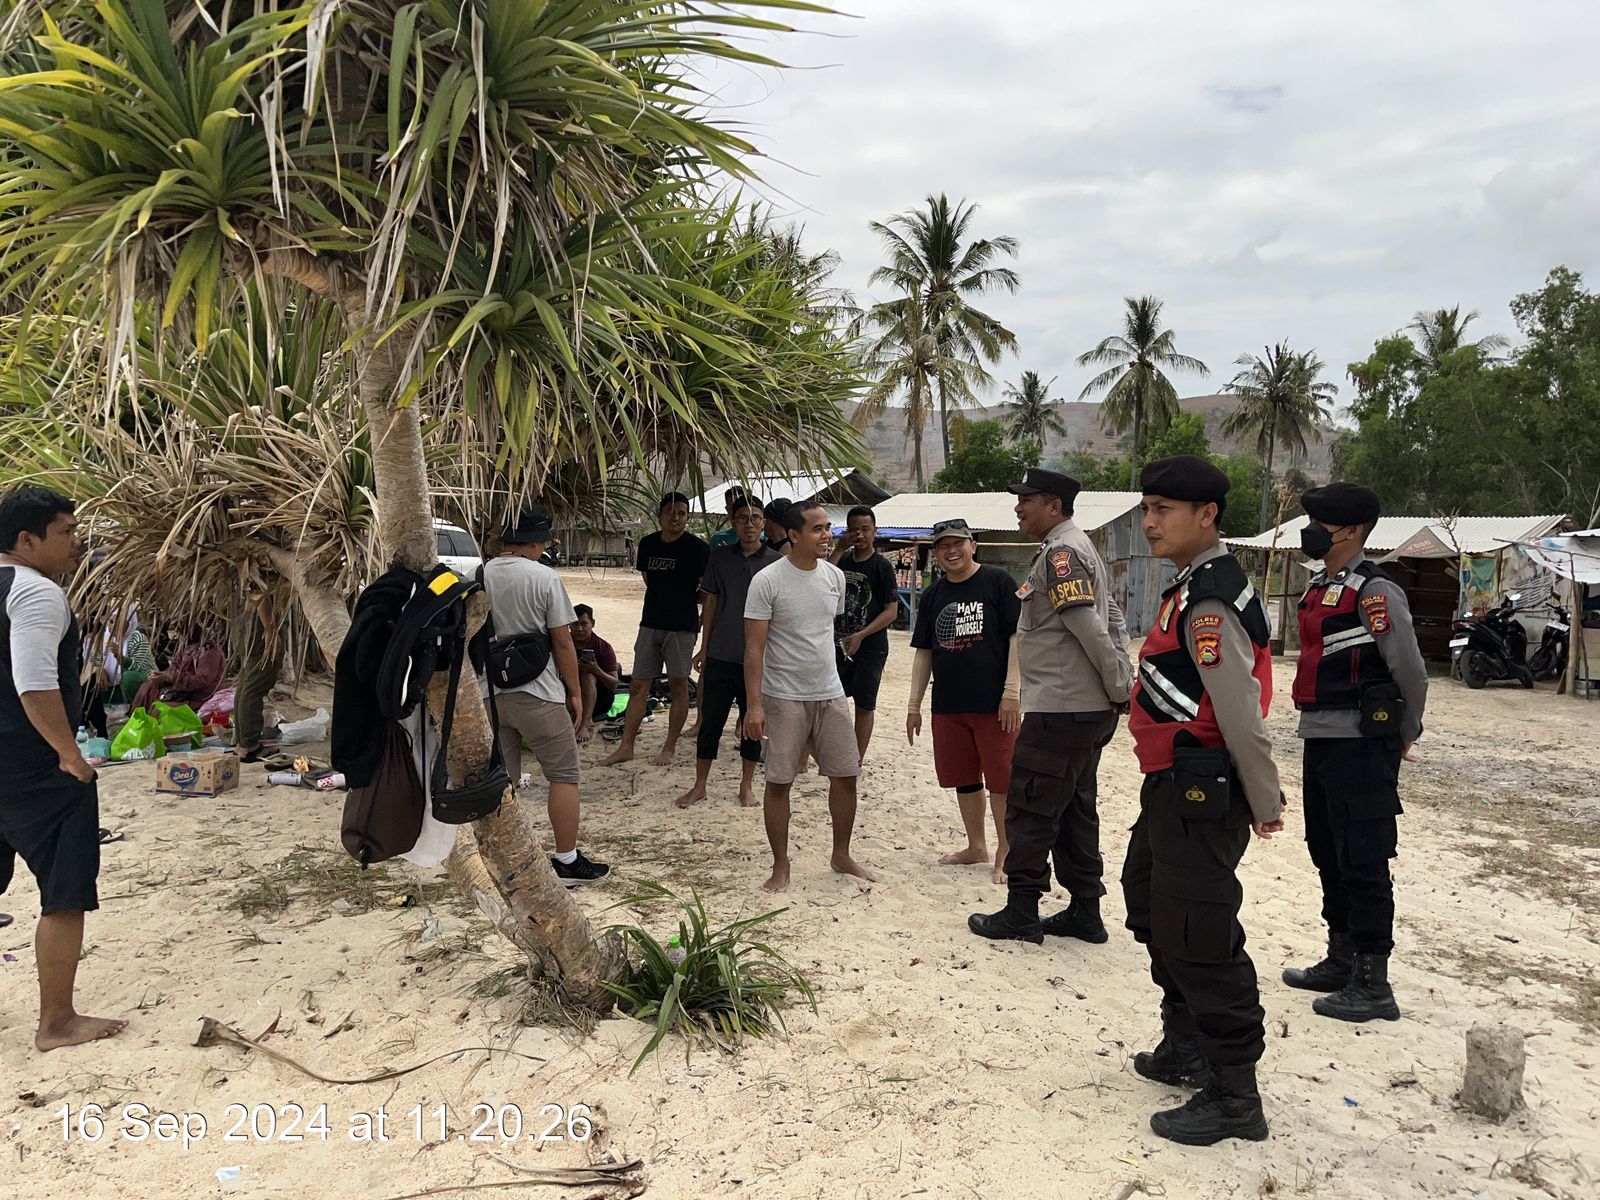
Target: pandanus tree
484,224
1281,401
1134,389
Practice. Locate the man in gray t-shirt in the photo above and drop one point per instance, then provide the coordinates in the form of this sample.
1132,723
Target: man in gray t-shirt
525,596
795,698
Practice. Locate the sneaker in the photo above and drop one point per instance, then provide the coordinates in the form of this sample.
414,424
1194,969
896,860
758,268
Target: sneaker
579,871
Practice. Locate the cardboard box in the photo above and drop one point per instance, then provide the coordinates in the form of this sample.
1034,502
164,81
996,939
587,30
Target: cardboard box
202,773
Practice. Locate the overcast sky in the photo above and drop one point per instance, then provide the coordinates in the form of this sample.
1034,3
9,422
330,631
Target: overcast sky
1274,170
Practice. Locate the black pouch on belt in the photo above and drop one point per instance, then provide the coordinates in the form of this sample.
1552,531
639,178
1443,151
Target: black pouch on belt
1382,707
1202,779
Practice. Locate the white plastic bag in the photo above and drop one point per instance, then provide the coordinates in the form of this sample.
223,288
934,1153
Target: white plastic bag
436,839
312,729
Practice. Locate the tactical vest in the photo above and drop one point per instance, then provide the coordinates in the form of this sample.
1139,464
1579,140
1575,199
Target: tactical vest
27,753
1338,655
1169,695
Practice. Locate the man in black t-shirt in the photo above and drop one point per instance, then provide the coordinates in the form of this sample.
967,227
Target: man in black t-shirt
966,639
871,603
672,562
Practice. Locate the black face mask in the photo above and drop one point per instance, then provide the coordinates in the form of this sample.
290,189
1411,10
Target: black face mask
1316,540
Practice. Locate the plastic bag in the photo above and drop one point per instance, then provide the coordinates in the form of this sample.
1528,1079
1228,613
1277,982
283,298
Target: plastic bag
312,729
139,738
175,720
96,748
218,708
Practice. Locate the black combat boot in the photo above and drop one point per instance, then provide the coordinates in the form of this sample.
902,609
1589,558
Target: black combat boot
1080,919
1228,1107
1367,997
1329,975
1018,920
1178,1060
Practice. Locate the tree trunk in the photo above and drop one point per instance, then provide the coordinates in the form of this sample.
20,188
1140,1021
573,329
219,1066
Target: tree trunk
1138,438
323,606
533,908
944,422
1266,484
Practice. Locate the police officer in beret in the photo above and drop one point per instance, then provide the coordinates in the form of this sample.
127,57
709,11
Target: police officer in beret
1072,651
1360,687
1199,731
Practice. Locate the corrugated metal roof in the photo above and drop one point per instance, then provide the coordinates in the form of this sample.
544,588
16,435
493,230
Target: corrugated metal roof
1470,535
917,512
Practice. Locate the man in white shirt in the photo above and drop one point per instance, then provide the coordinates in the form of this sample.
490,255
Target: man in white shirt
50,807
795,698
527,597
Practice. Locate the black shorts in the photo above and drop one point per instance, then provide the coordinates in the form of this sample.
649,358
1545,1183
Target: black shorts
53,823
860,677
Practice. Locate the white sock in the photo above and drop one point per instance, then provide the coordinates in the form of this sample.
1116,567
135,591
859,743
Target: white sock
567,859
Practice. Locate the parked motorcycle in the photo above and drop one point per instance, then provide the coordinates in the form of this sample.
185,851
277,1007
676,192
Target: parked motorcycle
1549,661
1493,646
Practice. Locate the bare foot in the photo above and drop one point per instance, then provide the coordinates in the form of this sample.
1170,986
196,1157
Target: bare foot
748,798
999,875
845,865
663,756
76,1030
585,734
965,858
693,796
621,755
779,881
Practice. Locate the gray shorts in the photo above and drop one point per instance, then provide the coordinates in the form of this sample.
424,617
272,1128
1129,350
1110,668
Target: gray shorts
821,728
657,648
547,727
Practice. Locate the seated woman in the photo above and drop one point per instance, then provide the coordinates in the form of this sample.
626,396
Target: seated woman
137,658
195,673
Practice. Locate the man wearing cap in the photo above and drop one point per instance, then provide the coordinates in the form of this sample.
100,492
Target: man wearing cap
1072,651
1360,687
525,596
965,639
1199,731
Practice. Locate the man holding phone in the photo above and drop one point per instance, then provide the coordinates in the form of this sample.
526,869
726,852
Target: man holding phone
598,672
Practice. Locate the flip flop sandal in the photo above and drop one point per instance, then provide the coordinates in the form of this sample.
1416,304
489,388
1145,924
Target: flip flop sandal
107,836
6,919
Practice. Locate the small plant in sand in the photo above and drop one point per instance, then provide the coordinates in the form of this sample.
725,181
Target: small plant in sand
726,986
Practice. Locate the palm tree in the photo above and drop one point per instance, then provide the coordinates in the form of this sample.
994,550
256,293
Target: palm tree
1280,401
927,258
1033,412
1136,393
479,199
1441,332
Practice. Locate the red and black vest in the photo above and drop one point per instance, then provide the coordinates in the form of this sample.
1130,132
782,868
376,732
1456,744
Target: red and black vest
1338,654
1169,695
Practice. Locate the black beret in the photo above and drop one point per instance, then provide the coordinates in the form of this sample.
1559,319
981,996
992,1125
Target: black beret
1185,477
1052,482
1341,504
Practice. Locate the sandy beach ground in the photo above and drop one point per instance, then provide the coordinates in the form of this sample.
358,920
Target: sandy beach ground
938,1064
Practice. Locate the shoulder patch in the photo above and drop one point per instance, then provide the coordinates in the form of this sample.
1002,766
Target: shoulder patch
1206,621
1207,647
1376,608
1067,593
1060,563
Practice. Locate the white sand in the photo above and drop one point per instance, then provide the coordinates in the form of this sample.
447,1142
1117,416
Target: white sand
939,1064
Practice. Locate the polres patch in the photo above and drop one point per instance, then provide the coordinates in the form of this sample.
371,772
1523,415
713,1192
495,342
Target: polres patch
1206,621
1376,609
1061,563
1208,648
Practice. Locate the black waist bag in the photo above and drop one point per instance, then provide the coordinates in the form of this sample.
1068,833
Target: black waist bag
1382,709
514,661
479,795
384,819
1202,782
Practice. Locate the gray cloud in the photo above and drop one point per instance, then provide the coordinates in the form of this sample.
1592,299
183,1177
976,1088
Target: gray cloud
1272,171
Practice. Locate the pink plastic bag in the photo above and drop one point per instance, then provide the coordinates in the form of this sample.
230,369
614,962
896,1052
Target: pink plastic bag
218,708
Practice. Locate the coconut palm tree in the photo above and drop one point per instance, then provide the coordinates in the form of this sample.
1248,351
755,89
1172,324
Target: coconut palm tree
480,196
929,257
1134,389
1033,412
1441,332
1281,400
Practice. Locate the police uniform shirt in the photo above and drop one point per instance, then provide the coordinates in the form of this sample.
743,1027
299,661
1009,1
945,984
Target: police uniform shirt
1387,617
1223,652
1068,647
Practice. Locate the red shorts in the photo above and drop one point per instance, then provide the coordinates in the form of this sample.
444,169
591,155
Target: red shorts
971,748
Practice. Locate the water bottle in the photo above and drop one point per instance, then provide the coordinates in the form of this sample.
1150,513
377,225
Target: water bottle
675,951
83,735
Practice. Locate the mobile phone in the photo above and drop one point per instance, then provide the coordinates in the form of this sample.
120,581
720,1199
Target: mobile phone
586,655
